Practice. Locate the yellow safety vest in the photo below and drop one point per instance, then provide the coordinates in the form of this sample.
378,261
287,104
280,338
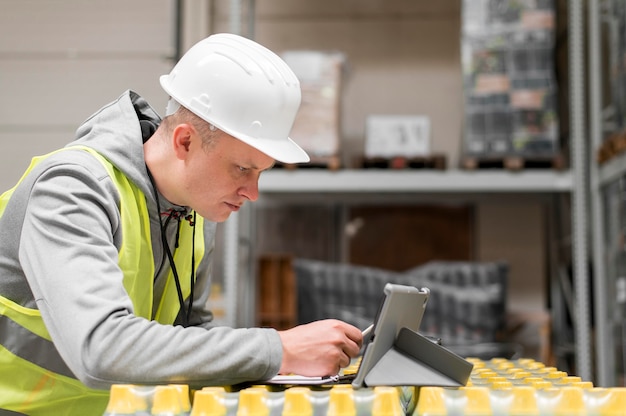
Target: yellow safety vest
34,380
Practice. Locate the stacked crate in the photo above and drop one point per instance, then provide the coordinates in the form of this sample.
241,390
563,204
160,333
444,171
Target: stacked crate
510,88
342,291
467,302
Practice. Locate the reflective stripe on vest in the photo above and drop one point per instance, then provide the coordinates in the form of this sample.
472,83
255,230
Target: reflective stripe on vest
45,385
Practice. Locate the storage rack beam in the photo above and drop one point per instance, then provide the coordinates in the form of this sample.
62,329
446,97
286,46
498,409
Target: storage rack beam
414,181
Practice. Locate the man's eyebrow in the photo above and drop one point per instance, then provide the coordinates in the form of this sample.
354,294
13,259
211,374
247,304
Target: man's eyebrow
255,167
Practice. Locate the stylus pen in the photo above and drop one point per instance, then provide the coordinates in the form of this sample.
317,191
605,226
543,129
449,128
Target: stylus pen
367,331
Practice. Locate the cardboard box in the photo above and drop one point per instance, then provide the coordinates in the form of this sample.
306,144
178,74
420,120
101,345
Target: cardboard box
317,127
510,86
389,136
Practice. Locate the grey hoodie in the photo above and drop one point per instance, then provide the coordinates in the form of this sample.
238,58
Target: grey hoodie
59,241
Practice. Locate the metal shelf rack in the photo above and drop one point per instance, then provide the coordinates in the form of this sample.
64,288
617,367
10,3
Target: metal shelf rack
348,182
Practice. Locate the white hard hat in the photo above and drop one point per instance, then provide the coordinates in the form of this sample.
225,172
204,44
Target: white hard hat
242,88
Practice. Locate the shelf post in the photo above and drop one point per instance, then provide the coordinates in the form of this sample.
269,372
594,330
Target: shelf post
579,191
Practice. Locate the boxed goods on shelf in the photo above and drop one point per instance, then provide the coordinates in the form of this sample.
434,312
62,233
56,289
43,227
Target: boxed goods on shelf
614,143
510,88
317,127
397,135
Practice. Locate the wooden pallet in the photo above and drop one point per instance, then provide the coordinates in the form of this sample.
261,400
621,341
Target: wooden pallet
435,161
330,163
513,162
277,305
614,145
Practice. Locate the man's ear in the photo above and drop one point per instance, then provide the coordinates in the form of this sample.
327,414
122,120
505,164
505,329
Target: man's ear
181,140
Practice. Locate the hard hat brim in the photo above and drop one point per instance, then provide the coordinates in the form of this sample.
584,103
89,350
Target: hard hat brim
285,151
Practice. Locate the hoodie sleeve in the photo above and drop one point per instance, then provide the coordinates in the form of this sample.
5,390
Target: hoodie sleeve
69,248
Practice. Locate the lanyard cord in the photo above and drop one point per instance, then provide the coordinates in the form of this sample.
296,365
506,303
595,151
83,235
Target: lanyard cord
186,312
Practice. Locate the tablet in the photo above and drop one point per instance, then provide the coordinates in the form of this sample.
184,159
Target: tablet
402,307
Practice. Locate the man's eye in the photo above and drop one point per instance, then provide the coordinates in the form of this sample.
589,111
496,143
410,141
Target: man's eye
242,169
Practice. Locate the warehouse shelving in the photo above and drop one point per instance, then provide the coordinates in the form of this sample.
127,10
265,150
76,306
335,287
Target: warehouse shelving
418,181
387,185
600,178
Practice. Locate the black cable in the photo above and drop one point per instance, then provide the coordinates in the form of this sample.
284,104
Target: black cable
185,314
192,279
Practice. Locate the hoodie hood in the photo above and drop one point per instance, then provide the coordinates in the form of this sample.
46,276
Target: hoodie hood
118,131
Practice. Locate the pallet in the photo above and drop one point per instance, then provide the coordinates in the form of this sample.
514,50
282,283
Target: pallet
613,146
513,162
277,304
435,161
330,163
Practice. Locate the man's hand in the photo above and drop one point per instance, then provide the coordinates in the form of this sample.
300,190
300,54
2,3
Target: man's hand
320,348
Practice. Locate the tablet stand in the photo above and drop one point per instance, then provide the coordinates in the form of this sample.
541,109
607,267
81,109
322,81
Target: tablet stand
414,360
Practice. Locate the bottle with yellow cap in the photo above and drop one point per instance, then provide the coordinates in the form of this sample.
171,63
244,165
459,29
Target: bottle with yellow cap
297,402
253,402
209,402
166,401
341,401
605,401
184,398
561,401
477,401
431,401
124,400
386,402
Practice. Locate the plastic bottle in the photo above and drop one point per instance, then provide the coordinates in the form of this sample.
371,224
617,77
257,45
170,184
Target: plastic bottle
183,397
209,402
478,402
431,401
123,400
297,402
341,401
386,402
524,402
561,401
501,398
605,401
252,402
166,401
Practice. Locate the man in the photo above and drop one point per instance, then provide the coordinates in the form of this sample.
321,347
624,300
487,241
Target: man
106,245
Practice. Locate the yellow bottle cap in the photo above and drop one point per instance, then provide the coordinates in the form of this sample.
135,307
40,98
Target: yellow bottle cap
386,402
518,375
524,401
431,401
555,375
478,402
297,402
166,400
341,402
499,385
615,402
567,380
252,402
566,401
209,402
183,392
123,399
